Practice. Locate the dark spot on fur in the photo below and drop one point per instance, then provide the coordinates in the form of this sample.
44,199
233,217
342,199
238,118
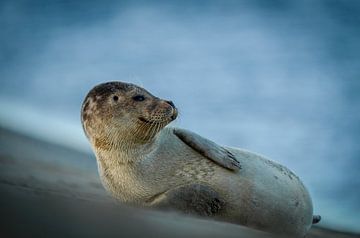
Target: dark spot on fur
101,92
84,112
86,106
85,116
108,88
152,107
102,143
144,120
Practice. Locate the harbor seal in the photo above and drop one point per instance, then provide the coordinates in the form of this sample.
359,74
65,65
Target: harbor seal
143,162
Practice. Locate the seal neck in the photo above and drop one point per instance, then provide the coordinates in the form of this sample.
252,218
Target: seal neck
128,151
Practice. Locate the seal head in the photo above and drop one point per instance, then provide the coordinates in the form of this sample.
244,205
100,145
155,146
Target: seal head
113,112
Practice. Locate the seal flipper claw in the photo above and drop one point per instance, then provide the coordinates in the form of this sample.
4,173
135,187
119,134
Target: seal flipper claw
235,162
209,149
316,219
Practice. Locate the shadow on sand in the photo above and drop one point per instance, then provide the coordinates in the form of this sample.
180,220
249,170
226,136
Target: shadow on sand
52,191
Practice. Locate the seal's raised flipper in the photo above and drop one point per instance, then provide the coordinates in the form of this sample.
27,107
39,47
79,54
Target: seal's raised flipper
209,149
195,199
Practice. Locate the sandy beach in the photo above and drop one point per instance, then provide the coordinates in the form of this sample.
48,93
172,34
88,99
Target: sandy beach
49,190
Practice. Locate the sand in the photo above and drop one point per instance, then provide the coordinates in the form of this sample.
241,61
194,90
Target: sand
49,190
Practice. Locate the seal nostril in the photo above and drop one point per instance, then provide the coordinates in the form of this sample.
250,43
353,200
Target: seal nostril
171,103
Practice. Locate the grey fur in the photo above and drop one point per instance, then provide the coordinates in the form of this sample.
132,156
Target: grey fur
144,163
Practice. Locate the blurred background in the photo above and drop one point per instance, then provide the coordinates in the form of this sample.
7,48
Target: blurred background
280,78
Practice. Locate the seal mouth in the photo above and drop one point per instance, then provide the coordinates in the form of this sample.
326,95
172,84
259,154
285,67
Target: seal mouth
148,121
174,114
173,117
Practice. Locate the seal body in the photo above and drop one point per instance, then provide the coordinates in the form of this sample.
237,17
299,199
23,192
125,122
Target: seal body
163,167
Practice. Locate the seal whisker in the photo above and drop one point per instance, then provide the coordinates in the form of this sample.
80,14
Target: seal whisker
158,125
137,130
153,130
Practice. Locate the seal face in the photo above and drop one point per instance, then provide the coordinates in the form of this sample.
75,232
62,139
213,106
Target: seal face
143,162
115,110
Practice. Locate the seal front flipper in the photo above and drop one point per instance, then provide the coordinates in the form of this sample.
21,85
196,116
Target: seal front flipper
209,149
195,199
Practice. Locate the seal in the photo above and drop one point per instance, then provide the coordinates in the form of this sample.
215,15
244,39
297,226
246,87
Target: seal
144,162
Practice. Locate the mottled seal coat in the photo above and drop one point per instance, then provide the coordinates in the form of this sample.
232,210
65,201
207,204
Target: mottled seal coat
144,163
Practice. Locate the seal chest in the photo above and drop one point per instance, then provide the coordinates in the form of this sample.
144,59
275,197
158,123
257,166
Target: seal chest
144,163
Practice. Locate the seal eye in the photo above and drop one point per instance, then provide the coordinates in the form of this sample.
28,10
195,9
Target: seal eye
115,98
139,98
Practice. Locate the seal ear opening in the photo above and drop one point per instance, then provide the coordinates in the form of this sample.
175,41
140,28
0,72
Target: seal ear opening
316,219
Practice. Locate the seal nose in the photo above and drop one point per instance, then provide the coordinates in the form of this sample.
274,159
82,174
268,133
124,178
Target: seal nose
174,110
175,113
171,103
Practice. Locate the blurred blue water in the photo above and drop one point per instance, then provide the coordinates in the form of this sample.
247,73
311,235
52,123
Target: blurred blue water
280,78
